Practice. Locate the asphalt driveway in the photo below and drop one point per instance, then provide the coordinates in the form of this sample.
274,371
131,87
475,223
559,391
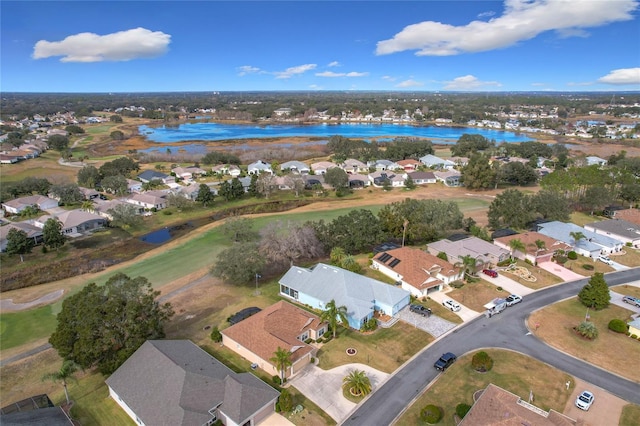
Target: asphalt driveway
324,387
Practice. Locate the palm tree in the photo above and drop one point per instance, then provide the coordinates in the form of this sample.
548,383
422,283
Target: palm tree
87,206
516,245
281,359
332,314
468,265
337,255
357,382
577,236
540,246
65,373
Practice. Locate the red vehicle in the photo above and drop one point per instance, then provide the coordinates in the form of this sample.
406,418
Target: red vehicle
490,272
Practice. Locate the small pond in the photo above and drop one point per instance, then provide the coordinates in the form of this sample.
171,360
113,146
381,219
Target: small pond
157,237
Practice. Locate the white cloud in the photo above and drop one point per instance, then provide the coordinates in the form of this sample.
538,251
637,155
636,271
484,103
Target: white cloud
334,64
247,69
388,78
469,82
409,83
521,20
290,72
120,46
488,14
315,87
341,74
622,76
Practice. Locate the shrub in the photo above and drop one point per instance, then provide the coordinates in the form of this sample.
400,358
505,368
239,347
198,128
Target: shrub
167,212
528,262
618,326
572,255
587,329
462,410
370,325
629,244
431,414
285,401
505,262
216,336
499,288
309,340
312,360
588,267
561,259
633,336
276,380
481,361
457,284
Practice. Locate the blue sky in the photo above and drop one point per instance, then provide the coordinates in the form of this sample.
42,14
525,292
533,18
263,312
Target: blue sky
153,46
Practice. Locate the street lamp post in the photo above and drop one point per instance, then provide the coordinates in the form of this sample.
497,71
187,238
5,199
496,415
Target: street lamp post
257,276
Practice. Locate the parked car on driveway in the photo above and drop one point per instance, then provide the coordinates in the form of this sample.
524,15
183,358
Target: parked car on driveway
631,300
490,272
420,310
584,400
605,259
452,305
445,361
513,299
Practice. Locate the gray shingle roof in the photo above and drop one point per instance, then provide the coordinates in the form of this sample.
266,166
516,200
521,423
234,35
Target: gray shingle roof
617,227
174,382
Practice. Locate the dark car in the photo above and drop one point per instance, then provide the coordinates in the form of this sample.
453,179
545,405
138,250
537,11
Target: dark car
243,314
445,361
490,272
421,310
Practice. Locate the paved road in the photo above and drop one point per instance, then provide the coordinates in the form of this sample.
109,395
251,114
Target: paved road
507,330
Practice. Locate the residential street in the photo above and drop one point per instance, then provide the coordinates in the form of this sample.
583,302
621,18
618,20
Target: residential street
507,330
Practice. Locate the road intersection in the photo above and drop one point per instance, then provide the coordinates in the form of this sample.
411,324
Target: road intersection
508,331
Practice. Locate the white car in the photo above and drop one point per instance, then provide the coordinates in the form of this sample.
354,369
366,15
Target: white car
452,305
605,259
584,400
512,299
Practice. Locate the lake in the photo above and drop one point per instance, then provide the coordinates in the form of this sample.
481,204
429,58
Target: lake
220,132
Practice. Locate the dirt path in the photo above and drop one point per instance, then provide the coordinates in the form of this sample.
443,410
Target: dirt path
9,305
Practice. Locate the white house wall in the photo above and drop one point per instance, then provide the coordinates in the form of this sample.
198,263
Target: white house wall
125,407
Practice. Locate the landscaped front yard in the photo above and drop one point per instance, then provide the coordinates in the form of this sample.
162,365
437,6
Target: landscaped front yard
475,295
612,351
514,372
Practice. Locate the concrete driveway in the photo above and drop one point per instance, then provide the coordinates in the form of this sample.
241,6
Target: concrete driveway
507,283
434,325
605,410
324,387
616,299
560,271
465,313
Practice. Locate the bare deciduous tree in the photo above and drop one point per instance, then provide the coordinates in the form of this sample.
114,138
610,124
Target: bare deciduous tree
285,243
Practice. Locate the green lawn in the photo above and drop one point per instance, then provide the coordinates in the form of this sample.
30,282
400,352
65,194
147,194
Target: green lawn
514,372
19,328
630,415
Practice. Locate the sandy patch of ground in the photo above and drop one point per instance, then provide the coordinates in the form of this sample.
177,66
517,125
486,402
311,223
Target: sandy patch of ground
605,410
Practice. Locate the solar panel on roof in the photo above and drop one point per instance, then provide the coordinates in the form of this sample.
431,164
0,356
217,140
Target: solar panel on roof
385,257
394,262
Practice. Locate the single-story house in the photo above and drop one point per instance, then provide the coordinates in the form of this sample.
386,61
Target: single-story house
532,252
422,178
149,175
630,215
361,295
32,231
619,229
634,327
74,222
409,165
357,180
259,167
484,252
188,173
174,382
419,272
496,406
312,180
592,245
593,160
89,193
383,165
448,177
295,167
434,162
134,186
321,167
8,159
147,201
227,169
103,209
351,165
281,325
460,161
17,205
377,178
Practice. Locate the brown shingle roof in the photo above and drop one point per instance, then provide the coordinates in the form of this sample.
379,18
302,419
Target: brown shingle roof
279,325
497,406
529,241
630,215
418,268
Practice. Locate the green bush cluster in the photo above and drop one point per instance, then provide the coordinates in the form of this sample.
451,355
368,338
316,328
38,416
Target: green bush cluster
370,325
431,414
481,361
462,410
587,329
618,326
572,255
285,401
588,267
216,336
